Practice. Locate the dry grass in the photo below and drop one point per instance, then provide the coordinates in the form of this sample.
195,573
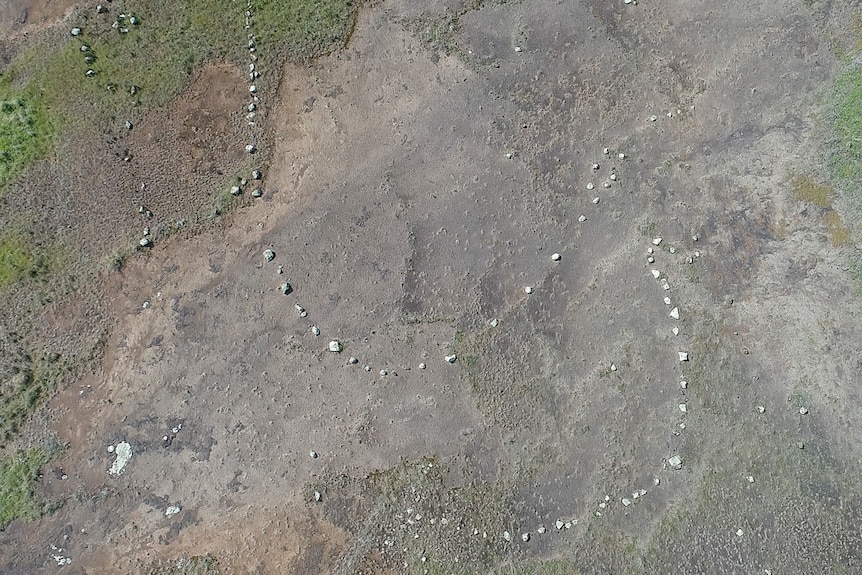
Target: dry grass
806,189
839,235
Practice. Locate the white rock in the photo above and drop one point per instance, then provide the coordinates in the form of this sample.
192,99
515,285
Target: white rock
525,537
803,411
517,48
507,536
655,273
269,255
541,530
556,257
674,313
145,242
761,409
626,502
110,449
607,184
317,496
613,367
674,330
653,118
595,166
252,89
559,524
315,330
621,156
675,462
299,308
683,384
683,407
335,346
495,322
664,285
596,200
312,454
76,31
650,250
672,249
422,366
124,454
613,177
683,355
172,510
235,190
383,373
85,48
650,260
667,301
352,361
250,148
750,478
740,533
656,241
528,290
606,151
582,218
591,186
451,358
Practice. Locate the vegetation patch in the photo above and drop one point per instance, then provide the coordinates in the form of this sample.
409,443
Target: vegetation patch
18,473
19,259
839,235
24,131
807,189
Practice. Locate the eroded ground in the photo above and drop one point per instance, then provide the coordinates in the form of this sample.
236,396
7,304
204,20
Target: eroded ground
411,198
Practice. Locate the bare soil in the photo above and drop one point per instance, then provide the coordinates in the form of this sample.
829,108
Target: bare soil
412,194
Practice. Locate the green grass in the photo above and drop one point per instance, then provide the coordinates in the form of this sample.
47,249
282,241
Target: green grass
846,153
17,475
24,131
19,259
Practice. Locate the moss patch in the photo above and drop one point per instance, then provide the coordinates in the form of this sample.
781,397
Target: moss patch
17,476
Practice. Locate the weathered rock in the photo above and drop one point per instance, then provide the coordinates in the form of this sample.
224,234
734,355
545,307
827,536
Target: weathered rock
335,346
172,510
451,358
352,361
124,455
556,257
269,255
257,193
675,462
251,148
76,31
286,288
683,355
674,313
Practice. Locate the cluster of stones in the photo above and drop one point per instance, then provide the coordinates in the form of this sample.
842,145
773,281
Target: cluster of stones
121,25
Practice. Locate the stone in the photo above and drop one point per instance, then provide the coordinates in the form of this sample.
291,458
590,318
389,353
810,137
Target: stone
667,301
683,384
352,361
101,9
606,151
128,125
286,288
740,533
541,530
145,242
269,255
650,251
528,290
655,273
596,200
315,330
256,175
750,478
674,313
613,177
683,407
90,73
251,148
525,537
626,502
451,358
252,89
650,259
761,409
800,445
683,355
621,156
317,496
335,346
313,454
674,330
507,536
517,49
675,462
279,270
656,241
613,367
76,31
803,411
133,21
383,373
252,107
556,257
494,322
172,510
591,186
607,184
235,190
422,366
582,218
124,455
257,193
664,285
653,118
595,166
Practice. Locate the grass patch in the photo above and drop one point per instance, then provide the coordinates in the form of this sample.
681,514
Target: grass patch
19,259
24,131
17,475
806,189
847,126
839,235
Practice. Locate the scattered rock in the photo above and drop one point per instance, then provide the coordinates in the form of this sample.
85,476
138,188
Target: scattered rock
313,454
172,510
317,496
251,149
494,322
507,536
90,73
559,524
556,257
315,330
675,462
383,373
683,407
451,358
76,31
286,288
761,409
541,530
683,384
257,193
256,175
422,366
656,241
800,445
235,190
626,502
525,537
803,411
591,186
582,218
674,313
596,200
653,118
335,346
674,330
683,355
145,242
269,255
750,478
655,273
667,300
528,290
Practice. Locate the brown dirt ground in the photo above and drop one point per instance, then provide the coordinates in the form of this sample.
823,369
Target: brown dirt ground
410,197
